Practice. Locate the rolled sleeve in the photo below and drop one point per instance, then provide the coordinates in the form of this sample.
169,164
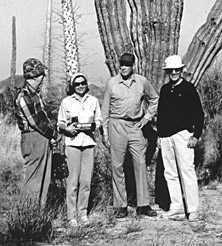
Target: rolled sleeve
106,107
152,99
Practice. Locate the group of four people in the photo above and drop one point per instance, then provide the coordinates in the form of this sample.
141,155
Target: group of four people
123,116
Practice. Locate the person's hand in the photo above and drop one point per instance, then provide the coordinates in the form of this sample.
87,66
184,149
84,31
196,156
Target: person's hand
53,142
192,142
142,123
71,130
105,140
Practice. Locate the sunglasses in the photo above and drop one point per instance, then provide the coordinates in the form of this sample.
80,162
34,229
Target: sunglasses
126,63
80,83
170,70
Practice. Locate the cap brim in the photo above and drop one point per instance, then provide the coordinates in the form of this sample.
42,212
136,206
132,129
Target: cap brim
126,63
172,67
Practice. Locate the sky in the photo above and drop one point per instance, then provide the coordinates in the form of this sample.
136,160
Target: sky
30,28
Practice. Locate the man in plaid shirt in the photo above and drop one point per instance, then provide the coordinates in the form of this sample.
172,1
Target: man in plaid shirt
36,132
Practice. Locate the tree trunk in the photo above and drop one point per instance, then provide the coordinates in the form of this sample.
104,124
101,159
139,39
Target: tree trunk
70,36
152,33
205,45
13,60
47,52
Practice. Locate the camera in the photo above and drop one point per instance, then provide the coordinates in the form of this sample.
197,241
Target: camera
74,119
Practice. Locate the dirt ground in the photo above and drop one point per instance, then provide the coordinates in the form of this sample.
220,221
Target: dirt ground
133,231
156,231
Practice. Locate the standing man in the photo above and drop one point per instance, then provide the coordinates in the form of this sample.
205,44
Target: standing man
180,123
124,116
36,132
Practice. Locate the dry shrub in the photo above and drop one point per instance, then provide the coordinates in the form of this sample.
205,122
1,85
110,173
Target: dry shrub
11,163
28,222
210,89
101,187
7,106
210,151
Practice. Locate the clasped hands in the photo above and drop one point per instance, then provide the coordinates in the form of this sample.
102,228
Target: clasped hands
71,130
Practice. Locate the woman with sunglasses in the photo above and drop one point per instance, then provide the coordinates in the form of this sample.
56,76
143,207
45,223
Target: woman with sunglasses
79,115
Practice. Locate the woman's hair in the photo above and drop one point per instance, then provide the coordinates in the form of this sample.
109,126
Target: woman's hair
71,85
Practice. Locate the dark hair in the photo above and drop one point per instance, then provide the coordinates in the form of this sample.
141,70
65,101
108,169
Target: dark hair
71,87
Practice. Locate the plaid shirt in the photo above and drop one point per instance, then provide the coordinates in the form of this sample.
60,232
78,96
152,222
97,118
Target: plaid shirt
30,113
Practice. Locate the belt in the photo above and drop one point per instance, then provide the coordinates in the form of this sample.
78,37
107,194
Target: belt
128,119
131,120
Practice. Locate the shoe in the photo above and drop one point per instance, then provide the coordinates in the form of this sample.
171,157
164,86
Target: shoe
120,213
84,220
146,210
173,214
73,223
193,217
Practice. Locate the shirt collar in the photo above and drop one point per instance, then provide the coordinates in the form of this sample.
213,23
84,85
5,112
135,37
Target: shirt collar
178,83
132,78
77,97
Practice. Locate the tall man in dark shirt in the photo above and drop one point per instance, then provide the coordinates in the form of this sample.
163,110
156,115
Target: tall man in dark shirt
36,132
180,123
124,116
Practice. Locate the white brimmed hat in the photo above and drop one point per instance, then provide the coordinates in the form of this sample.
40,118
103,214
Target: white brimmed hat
173,61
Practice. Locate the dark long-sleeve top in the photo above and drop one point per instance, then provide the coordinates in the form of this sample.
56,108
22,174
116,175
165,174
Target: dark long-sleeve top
179,109
30,113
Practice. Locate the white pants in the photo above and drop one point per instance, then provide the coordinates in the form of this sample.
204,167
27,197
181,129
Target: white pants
80,163
178,161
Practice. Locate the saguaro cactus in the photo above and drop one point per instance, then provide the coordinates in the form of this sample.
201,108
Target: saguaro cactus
152,33
13,60
205,45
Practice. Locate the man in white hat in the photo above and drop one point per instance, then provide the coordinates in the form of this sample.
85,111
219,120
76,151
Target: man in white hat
180,123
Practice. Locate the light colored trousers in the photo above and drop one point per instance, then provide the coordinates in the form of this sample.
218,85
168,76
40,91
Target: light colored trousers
178,160
122,135
80,161
38,163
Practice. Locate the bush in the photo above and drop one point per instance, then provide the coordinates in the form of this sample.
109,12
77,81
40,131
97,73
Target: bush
101,187
7,106
210,152
28,222
210,89
11,163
